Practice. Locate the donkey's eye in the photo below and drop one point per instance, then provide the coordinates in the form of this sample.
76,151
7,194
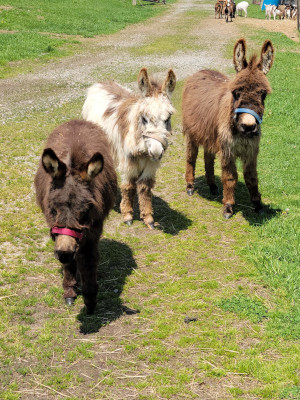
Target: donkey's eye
144,121
236,95
168,123
263,95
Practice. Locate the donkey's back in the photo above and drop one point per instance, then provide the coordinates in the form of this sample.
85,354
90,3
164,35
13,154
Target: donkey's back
202,98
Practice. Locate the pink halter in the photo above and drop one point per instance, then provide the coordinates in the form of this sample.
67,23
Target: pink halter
67,232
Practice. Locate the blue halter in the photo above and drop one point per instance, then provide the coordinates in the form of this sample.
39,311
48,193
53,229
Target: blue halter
248,111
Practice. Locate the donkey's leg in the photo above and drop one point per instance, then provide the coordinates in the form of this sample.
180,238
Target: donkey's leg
191,157
209,161
128,192
229,181
251,180
69,282
88,258
144,187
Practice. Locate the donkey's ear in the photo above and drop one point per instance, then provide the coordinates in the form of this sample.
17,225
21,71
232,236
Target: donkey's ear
239,55
144,82
266,57
170,83
94,166
52,164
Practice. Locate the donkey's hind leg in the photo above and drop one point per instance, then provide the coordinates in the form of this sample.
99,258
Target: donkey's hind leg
209,161
128,191
144,187
191,157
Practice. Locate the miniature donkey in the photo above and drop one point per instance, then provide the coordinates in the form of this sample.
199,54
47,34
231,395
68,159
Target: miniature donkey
76,187
137,128
224,117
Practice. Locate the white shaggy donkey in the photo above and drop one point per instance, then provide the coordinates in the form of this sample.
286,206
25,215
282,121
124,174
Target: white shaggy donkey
137,127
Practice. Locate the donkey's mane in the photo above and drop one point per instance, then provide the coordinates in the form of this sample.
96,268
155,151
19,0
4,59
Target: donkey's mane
253,62
156,85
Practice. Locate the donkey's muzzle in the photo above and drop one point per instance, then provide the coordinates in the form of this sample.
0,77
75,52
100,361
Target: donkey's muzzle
251,130
65,257
162,139
65,248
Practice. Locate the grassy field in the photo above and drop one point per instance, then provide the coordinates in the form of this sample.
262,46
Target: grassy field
200,307
33,29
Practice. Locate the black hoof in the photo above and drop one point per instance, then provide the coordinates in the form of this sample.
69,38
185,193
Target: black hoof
69,301
227,212
151,226
227,215
190,192
129,222
260,211
258,207
214,190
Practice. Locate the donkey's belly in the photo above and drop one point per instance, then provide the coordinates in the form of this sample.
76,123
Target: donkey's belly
138,169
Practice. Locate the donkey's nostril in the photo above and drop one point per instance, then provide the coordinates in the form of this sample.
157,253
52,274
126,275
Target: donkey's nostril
249,128
64,257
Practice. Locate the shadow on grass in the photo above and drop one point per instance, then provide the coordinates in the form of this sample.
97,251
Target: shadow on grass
116,263
243,203
169,220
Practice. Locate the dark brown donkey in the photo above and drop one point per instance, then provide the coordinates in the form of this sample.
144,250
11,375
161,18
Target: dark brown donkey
224,117
76,188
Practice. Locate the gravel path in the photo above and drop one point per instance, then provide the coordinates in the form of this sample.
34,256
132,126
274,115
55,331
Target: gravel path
65,80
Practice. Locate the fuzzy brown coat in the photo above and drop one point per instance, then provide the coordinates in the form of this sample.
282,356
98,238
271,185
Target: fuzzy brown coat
209,120
76,187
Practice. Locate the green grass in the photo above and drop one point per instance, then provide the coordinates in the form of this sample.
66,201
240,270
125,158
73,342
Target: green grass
275,251
86,18
32,27
254,11
23,45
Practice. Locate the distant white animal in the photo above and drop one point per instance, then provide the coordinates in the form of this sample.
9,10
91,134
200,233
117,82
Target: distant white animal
242,6
270,9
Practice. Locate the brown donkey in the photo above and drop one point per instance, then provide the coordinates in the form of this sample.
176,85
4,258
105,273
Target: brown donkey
76,188
224,116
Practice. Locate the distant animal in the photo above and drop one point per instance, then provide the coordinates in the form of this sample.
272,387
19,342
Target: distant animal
294,13
280,12
76,187
137,128
269,10
218,9
229,11
220,6
242,6
224,116
234,8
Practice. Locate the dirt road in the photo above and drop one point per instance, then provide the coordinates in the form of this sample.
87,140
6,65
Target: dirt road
65,80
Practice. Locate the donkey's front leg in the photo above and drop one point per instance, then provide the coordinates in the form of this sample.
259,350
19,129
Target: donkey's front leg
69,282
229,181
128,192
87,264
191,157
144,187
251,180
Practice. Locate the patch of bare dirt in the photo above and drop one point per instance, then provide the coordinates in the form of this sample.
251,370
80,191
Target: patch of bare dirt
286,26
